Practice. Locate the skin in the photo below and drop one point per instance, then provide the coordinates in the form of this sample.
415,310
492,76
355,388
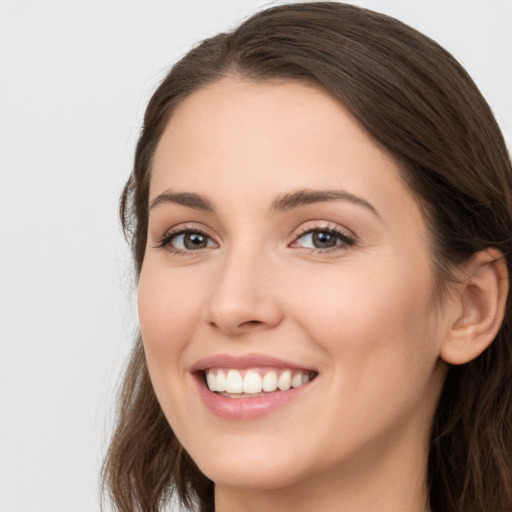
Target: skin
362,315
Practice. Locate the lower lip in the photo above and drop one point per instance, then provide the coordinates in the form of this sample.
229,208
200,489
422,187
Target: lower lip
247,408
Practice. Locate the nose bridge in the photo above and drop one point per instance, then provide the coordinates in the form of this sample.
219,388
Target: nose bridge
243,296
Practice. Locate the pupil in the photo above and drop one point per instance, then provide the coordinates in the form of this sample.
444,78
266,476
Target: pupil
323,239
195,241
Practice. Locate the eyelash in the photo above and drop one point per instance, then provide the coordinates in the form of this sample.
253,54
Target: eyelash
345,240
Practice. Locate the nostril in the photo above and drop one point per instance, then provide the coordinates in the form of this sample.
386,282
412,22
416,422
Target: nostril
251,323
248,323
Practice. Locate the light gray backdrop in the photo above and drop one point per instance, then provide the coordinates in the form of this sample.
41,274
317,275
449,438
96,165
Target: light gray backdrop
74,80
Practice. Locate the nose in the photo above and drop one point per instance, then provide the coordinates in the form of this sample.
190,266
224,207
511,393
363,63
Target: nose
244,296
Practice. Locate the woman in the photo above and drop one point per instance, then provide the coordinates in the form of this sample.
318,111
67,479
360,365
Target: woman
320,216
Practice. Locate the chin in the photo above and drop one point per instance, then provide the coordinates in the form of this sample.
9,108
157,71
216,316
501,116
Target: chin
245,475
254,467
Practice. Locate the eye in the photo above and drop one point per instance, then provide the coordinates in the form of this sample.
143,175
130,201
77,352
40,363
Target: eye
323,238
186,240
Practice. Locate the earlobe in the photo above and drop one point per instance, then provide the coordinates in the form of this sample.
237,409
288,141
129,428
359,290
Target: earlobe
482,300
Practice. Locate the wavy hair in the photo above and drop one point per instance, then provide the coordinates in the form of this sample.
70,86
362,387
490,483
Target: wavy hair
418,103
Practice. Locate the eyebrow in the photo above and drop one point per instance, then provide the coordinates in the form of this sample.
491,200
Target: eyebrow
193,201
282,203
306,196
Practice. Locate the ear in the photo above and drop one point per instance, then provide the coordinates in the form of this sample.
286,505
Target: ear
481,302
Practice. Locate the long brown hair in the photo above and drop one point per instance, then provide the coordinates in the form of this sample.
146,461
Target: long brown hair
419,104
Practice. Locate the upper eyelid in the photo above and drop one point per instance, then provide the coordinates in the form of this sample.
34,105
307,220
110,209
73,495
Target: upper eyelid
314,225
184,227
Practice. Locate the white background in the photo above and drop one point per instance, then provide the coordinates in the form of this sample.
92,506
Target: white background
74,80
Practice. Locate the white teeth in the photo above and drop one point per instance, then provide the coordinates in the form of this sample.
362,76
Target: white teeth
220,382
297,380
270,381
252,382
210,380
231,382
234,382
284,382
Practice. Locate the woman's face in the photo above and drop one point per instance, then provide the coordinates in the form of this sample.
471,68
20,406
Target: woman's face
284,249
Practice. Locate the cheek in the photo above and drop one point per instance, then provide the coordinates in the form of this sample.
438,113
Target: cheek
379,338
375,322
167,315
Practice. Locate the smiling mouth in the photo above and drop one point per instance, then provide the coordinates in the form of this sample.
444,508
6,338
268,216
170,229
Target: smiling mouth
254,382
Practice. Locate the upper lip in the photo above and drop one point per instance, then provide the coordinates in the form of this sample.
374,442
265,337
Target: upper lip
241,362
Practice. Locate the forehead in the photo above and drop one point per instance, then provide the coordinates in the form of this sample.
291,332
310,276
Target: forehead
262,122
